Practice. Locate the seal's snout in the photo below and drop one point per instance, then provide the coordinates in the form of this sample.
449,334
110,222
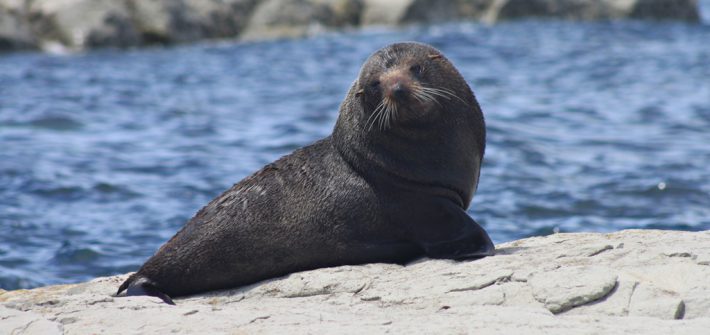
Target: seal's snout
396,85
398,90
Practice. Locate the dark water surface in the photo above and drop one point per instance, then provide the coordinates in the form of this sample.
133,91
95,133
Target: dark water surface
104,156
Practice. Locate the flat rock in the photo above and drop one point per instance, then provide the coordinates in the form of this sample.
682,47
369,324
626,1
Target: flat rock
568,287
13,321
630,282
648,300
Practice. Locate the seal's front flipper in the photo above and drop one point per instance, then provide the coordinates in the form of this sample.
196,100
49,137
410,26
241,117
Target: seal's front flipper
444,230
472,245
137,285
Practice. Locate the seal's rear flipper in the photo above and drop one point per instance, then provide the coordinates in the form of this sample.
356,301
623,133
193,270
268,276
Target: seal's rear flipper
137,285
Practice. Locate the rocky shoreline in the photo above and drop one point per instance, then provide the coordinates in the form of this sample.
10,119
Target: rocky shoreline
74,25
630,282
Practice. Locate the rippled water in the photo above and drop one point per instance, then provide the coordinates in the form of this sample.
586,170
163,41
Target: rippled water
104,156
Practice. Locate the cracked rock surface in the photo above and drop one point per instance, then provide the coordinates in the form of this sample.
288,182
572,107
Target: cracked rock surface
630,282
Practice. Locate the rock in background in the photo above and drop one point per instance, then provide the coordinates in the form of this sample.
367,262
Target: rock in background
57,25
82,24
684,10
296,18
383,12
180,21
630,282
15,31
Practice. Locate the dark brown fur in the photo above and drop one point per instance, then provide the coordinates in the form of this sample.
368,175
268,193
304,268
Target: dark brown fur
391,192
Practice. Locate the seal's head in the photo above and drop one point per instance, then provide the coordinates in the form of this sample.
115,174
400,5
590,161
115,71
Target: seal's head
407,83
410,113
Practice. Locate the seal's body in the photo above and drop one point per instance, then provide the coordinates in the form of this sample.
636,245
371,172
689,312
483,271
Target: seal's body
389,185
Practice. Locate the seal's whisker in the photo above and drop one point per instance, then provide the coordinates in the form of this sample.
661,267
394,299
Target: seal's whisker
417,94
384,122
394,112
373,116
436,92
443,92
450,92
422,95
383,119
429,97
382,113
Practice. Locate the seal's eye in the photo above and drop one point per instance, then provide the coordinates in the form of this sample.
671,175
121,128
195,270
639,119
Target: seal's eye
375,84
416,69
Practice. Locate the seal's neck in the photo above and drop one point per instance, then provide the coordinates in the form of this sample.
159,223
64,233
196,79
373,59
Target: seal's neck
430,155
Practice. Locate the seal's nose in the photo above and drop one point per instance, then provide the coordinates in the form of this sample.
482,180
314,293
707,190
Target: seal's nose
398,90
396,84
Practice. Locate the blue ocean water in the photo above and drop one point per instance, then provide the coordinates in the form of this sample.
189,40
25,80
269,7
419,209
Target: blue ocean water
105,155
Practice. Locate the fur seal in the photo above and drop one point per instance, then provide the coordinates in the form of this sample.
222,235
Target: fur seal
390,184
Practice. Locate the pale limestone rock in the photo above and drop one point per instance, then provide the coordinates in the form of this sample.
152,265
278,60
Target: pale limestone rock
13,321
520,294
344,279
697,302
615,304
660,289
568,287
648,300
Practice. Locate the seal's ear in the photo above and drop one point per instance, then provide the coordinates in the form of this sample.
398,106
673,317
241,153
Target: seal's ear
434,56
359,92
